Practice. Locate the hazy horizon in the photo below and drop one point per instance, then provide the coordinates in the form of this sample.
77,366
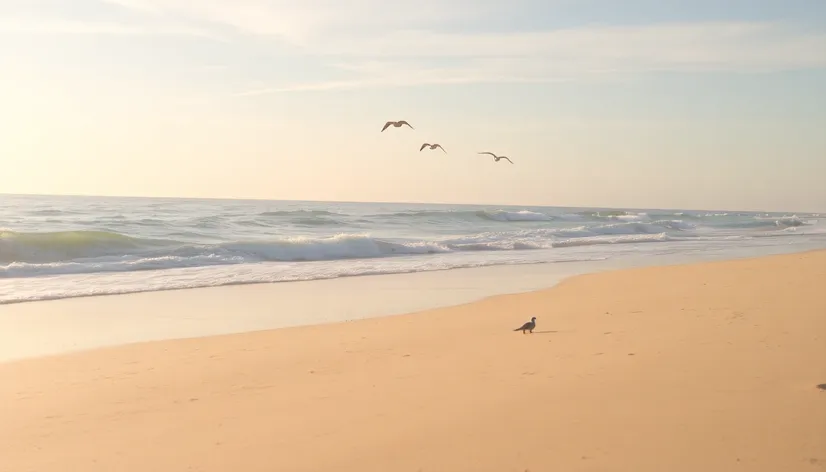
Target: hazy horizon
401,202
647,104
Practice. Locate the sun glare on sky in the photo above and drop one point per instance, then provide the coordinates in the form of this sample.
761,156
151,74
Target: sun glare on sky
639,103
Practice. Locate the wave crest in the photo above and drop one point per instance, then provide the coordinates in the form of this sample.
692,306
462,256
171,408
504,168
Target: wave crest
522,215
67,245
65,252
491,215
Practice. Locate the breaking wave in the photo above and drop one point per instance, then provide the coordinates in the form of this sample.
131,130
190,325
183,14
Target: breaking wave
70,247
65,252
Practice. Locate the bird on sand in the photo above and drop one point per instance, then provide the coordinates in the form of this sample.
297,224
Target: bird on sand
397,124
496,158
432,146
529,326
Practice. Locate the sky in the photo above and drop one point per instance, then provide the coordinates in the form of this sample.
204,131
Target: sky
701,104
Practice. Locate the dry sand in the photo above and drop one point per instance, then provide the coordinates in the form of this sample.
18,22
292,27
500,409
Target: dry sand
708,367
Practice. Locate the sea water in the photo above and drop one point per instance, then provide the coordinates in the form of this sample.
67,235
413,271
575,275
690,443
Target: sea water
60,247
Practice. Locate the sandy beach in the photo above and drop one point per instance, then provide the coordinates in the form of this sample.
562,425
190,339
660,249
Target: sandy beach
704,367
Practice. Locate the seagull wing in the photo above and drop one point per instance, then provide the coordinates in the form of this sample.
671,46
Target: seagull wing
490,153
386,125
440,147
402,122
503,157
423,146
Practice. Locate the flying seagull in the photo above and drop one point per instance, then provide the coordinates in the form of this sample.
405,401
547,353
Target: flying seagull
496,158
432,146
529,326
397,124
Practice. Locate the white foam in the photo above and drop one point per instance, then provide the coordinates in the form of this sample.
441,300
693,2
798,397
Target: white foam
81,247
626,239
523,215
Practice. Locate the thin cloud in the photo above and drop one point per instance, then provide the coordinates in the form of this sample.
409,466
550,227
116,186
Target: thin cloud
300,23
394,77
244,17
718,44
408,58
374,44
372,29
57,26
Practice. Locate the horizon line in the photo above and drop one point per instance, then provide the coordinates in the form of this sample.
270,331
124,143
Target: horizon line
251,199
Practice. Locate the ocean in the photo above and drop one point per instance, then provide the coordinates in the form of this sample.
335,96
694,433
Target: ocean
60,247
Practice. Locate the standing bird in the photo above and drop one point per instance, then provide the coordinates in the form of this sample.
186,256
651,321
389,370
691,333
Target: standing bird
432,146
397,124
529,326
496,158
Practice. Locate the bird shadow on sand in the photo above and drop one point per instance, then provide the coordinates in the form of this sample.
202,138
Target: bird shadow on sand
545,332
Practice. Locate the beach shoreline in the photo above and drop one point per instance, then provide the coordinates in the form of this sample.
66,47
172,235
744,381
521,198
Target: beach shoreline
55,327
643,369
